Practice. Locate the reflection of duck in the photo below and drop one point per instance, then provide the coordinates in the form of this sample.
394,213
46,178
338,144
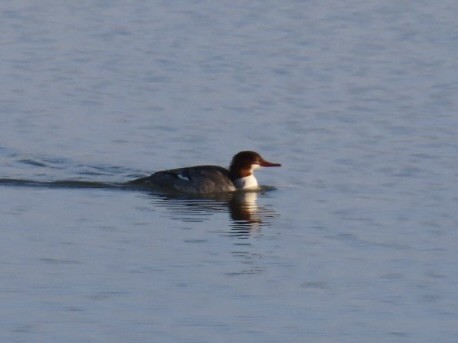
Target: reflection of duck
244,208
245,214
210,179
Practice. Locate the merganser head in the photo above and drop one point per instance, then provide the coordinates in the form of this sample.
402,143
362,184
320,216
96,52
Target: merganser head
242,166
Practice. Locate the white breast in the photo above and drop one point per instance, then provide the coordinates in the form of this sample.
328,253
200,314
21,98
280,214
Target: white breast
247,182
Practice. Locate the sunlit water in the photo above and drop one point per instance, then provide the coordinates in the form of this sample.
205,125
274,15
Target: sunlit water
354,239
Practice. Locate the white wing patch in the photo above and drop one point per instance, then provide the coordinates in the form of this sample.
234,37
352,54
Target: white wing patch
183,177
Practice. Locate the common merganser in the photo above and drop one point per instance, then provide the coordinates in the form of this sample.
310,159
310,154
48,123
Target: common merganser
211,179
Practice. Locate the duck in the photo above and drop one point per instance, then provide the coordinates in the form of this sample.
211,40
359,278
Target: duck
208,179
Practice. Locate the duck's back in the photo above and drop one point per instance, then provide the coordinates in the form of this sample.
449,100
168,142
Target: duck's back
198,180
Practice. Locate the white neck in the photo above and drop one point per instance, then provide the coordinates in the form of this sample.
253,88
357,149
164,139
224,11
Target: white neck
247,182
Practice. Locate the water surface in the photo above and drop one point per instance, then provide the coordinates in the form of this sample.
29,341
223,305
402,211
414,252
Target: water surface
353,239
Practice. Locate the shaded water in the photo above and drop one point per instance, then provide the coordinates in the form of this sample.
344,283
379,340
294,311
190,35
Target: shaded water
353,239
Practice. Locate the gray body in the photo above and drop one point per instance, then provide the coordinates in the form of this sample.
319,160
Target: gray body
195,180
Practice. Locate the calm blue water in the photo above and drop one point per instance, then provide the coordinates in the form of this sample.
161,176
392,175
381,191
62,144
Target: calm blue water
356,242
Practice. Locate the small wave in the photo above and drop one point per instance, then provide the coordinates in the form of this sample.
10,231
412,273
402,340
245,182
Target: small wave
33,162
42,171
58,184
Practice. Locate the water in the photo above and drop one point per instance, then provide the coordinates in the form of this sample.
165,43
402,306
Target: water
353,240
